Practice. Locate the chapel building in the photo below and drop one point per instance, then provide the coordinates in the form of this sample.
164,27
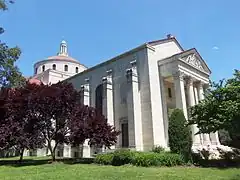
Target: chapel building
136,90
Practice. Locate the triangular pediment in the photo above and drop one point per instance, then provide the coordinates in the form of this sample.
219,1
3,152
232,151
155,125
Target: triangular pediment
193,58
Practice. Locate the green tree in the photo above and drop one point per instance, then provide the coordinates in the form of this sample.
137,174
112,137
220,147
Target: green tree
220,110
10,75
4,3
180,140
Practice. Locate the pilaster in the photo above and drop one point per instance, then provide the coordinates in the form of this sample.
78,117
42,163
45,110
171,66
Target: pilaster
164,108
108,97
134,109
85,91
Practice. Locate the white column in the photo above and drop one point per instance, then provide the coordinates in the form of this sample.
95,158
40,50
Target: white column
134,109
206,138
85,89
196,102
214,138
180,92
191,100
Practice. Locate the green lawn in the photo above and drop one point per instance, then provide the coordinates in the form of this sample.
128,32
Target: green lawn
62,171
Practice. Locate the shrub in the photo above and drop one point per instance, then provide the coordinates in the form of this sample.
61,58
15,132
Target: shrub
156,159
121,157
105,159
146,159
180,140
158,149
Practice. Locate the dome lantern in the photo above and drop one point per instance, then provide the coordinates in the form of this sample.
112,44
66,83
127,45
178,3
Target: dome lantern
63,49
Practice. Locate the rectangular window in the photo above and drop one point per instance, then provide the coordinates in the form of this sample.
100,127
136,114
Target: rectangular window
169,93
125,138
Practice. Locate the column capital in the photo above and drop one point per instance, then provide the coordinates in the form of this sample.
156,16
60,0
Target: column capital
200,84
109,72
134,63
179,75
87,80
107,80
189,80
85,88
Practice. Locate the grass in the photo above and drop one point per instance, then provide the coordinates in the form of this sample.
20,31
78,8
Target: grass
62,171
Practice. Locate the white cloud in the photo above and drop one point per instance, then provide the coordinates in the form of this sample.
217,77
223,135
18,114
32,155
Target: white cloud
215,48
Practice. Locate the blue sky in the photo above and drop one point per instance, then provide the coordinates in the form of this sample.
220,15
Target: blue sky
98,30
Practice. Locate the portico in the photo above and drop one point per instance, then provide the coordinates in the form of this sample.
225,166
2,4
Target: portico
187,75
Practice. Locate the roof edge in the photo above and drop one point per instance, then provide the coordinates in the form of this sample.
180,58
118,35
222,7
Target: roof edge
145,45
152,43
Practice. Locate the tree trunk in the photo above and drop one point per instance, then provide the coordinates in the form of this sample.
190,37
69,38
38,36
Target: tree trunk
53,156
52,150
21,155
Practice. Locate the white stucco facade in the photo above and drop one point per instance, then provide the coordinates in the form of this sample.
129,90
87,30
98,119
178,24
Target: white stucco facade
136,90
143,84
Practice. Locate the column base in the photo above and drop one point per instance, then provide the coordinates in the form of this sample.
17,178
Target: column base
87,153
67,151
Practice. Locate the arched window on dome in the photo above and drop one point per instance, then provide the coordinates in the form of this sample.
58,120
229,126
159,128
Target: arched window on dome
54,66
76,69
66,68
35,70
43,68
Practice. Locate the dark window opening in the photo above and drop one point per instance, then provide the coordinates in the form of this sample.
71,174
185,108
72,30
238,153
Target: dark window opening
54,66
125,138
99,98
76,154
66,68
43,68
76,69
169,93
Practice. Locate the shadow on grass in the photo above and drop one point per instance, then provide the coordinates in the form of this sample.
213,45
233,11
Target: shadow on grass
37,162
220,164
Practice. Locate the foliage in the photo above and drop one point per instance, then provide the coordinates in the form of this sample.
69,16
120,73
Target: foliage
4,3
10,75
87,123
54,104
224,137
180,140
105,159
220,109
124,156
158,149
121,157
18,127
157,159
34,114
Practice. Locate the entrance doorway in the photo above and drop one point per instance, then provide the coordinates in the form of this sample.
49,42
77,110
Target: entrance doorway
125,138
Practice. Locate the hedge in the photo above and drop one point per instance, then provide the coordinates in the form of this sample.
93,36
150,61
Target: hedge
157,159
145,159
